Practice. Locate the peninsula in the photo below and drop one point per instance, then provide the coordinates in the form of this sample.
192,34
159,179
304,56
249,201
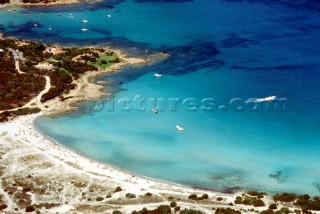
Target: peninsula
37,77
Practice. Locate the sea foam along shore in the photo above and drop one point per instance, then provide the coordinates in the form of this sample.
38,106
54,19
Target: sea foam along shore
27,154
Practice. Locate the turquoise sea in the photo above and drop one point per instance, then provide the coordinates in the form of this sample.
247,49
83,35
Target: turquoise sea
218,49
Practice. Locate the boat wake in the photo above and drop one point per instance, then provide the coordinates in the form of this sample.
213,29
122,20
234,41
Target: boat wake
266,99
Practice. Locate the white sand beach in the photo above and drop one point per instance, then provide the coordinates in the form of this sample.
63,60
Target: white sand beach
38,173
72,182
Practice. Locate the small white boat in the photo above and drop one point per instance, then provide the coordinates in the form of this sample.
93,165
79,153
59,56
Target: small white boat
50,28
158,75
36,25
179,128
154,111
266,99
84,29
84,20
109,15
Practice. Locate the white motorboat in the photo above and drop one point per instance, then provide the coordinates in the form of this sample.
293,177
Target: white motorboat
179,128
154,111
266,99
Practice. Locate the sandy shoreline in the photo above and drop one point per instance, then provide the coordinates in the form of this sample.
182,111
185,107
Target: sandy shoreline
22,131
62,180
26,153
37,172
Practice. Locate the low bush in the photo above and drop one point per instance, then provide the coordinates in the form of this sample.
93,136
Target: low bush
118,189
249,201
173,204
284,210
190,211
238,200
30,209
99,199
148,194
258,203
285,197
3,206
227,211
177,208
205,196
273,207
306,211
162,209
193,197
130,195
256,194
268,211
305,203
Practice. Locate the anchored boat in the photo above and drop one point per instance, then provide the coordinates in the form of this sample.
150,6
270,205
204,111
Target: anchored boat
179,128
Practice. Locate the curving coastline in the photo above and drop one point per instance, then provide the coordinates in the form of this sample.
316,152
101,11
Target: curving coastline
83,91
34,161
33,156
33,164
39,174
23,146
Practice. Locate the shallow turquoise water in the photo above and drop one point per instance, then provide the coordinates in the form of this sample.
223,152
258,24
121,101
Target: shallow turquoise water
220,50
217,150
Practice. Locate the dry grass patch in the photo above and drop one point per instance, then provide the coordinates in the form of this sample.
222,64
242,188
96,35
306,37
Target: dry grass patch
30,159
138,200
89,208
73,165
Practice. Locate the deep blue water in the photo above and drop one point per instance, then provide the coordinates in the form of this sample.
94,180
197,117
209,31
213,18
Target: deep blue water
218,49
